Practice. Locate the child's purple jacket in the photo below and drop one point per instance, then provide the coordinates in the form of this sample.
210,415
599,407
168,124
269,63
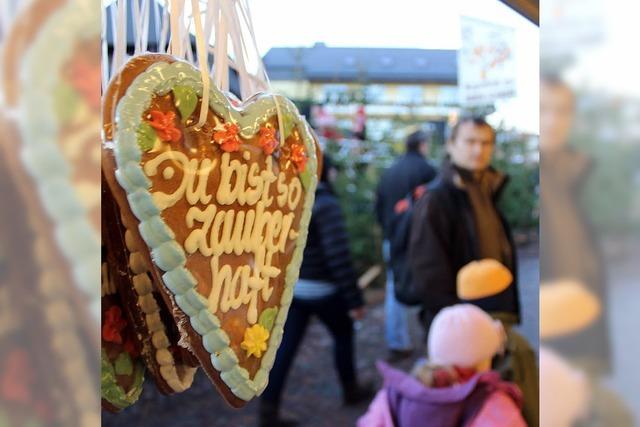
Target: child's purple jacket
405,402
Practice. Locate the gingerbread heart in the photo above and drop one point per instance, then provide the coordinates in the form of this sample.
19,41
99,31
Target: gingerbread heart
223,210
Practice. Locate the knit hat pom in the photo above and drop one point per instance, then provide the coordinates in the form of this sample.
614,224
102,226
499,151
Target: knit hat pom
464,335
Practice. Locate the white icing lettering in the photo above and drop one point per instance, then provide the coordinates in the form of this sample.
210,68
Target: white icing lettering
217,229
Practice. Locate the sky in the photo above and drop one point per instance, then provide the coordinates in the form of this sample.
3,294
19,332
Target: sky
426,24
605,64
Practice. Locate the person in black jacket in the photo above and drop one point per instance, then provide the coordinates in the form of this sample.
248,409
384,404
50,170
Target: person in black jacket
403,176
327,288
457,221
407,172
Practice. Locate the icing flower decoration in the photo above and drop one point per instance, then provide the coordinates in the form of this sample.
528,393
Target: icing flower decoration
255,340
113,325
228,137
267,139
164,124
298,156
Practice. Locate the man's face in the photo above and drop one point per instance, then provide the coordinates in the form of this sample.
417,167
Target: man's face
556,115
473,147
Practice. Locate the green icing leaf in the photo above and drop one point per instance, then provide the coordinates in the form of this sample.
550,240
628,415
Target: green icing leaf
65,101
305,178
186,100
268,317
123,364
110,389
287,124
147,136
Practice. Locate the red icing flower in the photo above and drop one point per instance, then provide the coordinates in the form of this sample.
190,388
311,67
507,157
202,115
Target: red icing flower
298,156
228,137
164,124
113,325
267,139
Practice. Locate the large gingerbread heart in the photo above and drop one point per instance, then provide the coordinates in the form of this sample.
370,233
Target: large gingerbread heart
223,210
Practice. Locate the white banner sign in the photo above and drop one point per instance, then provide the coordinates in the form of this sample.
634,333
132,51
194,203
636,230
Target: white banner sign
486,62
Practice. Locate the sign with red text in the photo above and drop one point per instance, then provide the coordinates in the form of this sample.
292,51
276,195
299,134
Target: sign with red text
486,62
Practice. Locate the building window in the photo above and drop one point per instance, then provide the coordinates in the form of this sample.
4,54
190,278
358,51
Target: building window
409,95
374,93
335,93
448,95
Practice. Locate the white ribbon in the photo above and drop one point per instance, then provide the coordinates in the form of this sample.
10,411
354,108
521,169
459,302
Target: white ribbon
144,42
230,19
202,62
177,39
261,78
120,36
221,70
137,26
164,32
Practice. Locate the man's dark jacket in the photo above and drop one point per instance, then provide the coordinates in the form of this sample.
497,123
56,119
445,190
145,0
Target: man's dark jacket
327,256
408,172
443,240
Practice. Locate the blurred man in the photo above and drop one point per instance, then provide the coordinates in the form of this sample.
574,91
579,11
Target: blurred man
568,246
409,171
457,221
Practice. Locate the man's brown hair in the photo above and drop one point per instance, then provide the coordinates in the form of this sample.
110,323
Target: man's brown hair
476,121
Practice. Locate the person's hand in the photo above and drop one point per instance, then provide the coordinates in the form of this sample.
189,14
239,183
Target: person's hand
357,313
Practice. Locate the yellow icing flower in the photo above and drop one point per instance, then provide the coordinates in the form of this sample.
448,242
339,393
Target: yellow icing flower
255,340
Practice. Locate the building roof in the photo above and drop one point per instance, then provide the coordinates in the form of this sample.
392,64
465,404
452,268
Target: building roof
346,64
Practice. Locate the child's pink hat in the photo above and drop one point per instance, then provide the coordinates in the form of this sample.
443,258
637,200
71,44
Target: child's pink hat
464,335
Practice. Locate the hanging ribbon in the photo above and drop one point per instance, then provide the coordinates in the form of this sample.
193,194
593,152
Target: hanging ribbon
176,49
261,77
230,19
137,26
221,72
120,35
202,62
238,48
144,40
162,46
